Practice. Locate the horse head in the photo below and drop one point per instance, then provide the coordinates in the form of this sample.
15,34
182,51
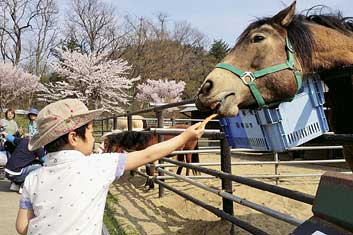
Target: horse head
260,69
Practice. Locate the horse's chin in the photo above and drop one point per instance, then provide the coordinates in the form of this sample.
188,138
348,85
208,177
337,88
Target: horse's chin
228,108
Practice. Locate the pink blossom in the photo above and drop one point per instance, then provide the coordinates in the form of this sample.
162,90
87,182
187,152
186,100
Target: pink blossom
94,79
160,91
14,83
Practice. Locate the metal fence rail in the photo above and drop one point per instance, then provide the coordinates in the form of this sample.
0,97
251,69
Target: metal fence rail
299,196
241,201
257,163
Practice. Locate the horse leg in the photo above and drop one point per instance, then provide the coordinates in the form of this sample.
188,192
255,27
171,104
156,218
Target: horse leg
180,158
195,159
150,172
348,155
188,160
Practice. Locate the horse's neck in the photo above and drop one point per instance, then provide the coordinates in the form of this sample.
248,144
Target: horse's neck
335,49
332,48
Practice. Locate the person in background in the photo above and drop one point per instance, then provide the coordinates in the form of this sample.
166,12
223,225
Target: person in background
4,154
32,126
11,127
22,161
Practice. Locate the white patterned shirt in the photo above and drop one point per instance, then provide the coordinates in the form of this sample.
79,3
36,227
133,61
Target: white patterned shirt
68,193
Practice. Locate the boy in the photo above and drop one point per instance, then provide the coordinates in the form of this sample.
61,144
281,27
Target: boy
67,195
32,126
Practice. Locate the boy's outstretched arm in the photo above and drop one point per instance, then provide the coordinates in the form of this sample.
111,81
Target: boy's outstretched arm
157,151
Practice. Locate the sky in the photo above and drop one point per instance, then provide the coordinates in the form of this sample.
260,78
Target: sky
222,19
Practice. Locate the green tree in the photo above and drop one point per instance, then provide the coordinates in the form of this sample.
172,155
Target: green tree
219,49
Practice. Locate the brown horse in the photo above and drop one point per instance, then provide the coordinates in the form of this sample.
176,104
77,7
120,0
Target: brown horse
272,54
138,140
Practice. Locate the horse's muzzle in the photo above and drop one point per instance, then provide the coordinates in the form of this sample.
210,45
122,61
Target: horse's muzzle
200,106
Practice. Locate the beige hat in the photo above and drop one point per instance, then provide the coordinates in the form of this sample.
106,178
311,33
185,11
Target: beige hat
58,119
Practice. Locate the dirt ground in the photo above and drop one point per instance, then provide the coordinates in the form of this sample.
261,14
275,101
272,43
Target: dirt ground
143,212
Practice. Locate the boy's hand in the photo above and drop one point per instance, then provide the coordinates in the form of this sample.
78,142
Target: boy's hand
194,132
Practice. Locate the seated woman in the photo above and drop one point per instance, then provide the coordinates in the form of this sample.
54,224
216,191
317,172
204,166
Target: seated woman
22,161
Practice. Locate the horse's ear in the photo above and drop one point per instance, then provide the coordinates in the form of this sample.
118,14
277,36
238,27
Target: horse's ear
285,16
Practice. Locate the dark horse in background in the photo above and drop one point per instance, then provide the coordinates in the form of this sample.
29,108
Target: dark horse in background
138,140
301,44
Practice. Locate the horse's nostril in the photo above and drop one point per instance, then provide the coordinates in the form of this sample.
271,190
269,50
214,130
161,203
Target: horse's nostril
206,88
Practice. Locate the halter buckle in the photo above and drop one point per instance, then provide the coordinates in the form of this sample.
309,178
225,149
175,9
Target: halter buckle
247,74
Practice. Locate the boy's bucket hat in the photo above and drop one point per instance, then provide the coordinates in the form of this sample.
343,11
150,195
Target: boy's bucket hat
33,111
58,119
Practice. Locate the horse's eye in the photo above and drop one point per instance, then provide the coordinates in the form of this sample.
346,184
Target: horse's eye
258,38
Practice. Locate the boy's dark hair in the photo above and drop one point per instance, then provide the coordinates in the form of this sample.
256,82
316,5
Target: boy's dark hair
12,111
60,142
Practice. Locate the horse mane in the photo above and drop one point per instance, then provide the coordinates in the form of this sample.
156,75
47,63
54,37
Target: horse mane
299,33
130,139
136,139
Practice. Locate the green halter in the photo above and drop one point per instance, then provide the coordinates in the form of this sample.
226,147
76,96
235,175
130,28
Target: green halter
289,64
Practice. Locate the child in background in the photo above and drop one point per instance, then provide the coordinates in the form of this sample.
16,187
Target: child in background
32,116
22,161
11,127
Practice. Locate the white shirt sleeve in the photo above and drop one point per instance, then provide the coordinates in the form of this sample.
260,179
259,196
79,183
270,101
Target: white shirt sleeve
111,165
121,165
25,201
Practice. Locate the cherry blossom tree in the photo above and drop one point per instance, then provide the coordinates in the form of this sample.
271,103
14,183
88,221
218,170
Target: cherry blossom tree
16,83
160,91
94,79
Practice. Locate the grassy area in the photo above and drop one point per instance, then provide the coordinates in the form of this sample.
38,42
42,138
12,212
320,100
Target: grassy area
110,222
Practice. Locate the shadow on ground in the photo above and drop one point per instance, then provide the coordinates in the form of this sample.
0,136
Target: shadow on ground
4,185
148,216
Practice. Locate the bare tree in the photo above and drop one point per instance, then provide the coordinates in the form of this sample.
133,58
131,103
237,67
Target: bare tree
95,25
44,34
160,30
162,49
185,34
17,18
